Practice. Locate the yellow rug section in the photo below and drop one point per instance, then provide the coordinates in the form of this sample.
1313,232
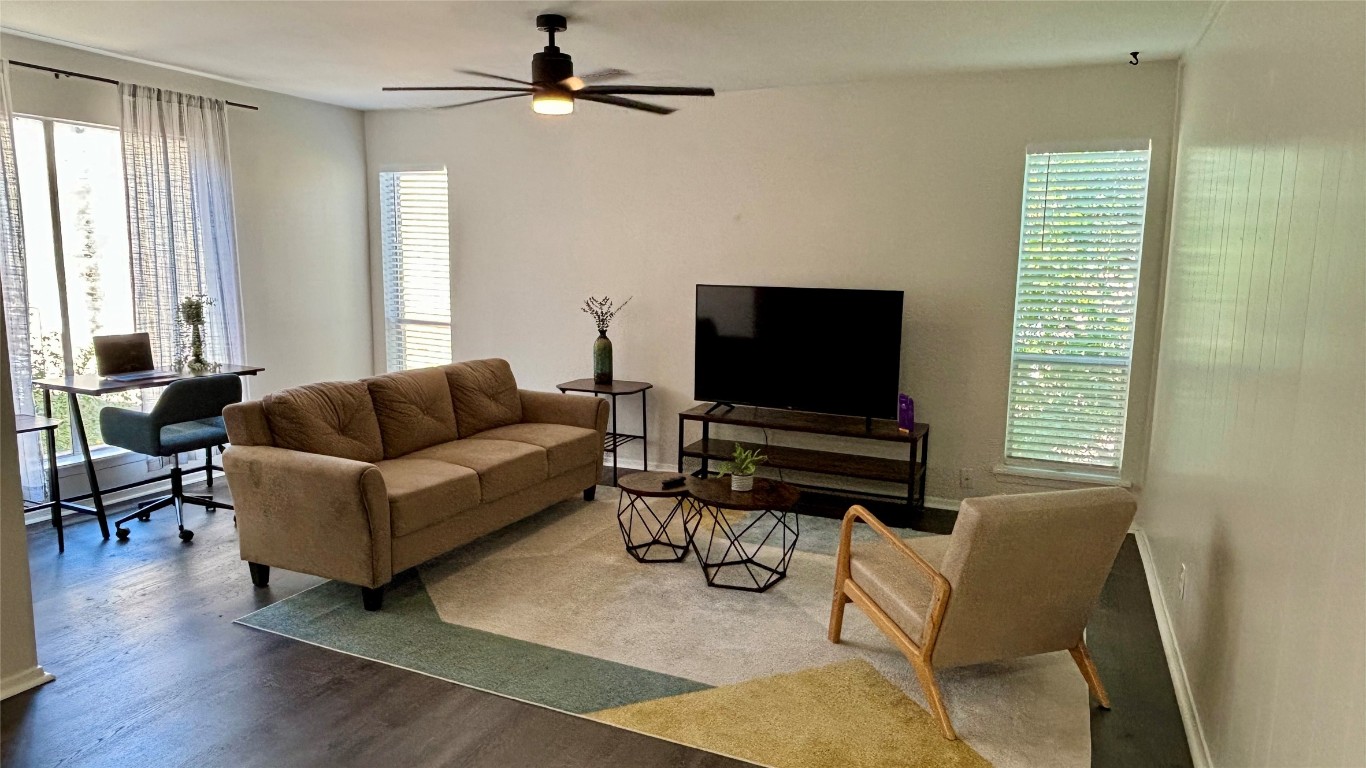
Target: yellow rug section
843,715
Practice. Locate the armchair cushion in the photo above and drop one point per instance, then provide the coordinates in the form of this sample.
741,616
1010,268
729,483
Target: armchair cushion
504,466
485,395
334,418
902,590
424,492
565,447
414,410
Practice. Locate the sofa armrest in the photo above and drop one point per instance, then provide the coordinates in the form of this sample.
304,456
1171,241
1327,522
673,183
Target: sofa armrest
572,410
315,514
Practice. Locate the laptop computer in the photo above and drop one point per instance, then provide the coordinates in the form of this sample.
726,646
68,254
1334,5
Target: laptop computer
126,357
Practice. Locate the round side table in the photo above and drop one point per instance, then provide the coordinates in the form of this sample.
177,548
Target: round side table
652,537
749,551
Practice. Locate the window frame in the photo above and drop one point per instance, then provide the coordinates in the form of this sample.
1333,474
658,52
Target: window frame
1076,471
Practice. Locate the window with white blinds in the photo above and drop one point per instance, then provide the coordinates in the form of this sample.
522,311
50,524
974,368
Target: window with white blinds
414,224
1076,298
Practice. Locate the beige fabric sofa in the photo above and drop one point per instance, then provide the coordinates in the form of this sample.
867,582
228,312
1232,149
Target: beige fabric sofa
359,480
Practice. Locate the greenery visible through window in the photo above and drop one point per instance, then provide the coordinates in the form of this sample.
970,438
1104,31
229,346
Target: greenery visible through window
1081,241
90,231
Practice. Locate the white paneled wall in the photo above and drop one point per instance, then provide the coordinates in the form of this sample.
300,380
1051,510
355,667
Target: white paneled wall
1258,460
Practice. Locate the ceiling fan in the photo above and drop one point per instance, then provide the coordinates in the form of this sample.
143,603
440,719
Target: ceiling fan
554,88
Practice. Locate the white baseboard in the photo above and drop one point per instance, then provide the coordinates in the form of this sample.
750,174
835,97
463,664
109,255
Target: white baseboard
1190,717
22,681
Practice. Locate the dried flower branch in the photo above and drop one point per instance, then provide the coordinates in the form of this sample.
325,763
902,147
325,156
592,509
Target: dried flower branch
602,311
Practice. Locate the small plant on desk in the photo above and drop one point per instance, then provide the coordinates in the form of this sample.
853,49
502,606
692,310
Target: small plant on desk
742,466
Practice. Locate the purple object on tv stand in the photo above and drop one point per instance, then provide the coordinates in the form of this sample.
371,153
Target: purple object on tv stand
905,413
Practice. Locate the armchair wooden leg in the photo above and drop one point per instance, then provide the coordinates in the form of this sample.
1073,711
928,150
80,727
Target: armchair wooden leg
1082,655
837,613
935,698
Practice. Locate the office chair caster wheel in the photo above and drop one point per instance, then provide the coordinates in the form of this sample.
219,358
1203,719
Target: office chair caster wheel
145,517
122,533
186,535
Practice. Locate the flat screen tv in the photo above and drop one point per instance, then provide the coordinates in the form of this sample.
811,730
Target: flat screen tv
826,350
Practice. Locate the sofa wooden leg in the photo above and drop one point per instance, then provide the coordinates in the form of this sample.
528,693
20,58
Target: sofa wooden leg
260,574
590,493
1082,656
372,599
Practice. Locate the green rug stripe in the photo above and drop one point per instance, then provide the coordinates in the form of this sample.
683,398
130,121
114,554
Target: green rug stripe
408,633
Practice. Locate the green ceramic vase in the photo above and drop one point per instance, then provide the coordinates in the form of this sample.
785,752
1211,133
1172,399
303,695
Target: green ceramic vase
602,359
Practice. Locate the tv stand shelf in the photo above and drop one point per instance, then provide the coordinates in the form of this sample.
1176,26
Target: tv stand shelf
910,471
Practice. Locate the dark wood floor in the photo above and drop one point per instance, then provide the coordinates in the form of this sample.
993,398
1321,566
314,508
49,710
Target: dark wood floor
152,671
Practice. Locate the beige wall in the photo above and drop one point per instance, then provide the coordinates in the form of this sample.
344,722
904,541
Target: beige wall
1255,481
299,192
912,184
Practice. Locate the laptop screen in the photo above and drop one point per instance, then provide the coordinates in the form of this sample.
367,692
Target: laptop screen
126,353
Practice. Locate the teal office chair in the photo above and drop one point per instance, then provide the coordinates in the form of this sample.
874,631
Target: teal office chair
187,417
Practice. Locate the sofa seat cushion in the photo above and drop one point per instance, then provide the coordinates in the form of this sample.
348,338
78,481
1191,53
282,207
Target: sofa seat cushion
896,583
414,410
425,492
504,466
334,418
565,447
485,395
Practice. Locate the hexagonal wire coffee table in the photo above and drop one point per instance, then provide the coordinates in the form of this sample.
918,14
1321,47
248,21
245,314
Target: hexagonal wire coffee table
646,533
752,552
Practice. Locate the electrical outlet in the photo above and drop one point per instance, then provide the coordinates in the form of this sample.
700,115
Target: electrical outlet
1181,583
965,479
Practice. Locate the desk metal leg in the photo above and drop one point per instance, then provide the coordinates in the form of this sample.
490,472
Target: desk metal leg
78,428
53,483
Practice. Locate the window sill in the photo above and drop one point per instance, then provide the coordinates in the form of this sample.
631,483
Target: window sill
103,457
1005,471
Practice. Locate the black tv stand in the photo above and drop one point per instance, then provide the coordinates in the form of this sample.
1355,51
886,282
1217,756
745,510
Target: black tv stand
909,471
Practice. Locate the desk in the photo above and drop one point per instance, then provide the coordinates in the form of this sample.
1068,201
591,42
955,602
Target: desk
94,386
24,425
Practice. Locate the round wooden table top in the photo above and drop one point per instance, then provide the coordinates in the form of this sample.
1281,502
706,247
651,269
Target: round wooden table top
651,484
767,494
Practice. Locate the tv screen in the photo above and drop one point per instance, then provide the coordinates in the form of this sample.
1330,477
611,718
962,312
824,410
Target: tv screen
809,349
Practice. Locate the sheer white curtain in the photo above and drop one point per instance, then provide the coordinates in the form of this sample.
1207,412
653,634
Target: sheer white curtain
180,218
14,283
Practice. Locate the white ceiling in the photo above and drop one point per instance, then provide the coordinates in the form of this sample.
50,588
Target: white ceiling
342,52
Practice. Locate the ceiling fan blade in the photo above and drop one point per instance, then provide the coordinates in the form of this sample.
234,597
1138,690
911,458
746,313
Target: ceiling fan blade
456,88
578,83
646,90
603,98
480,101
477,73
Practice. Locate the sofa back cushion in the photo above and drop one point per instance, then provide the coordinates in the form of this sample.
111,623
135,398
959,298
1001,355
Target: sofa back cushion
414,410
334,418
485,395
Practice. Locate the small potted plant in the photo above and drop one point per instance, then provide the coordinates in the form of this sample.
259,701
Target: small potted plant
742,466
192,311
602,312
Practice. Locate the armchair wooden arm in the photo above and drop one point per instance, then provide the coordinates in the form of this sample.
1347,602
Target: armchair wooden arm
917,650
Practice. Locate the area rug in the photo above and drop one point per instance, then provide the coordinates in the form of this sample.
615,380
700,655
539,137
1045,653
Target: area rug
553,611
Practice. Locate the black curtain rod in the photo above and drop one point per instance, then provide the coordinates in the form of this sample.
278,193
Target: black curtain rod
83,76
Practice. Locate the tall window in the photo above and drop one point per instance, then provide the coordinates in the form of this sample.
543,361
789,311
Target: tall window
79,273
414,227
1081,240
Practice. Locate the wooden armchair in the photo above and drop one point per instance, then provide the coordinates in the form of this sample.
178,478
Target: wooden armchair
1020,575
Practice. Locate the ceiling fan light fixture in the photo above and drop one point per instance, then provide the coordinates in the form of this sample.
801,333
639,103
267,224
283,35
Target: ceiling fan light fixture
552,103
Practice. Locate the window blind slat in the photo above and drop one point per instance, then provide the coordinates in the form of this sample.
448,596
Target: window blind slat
1081,241
415,233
